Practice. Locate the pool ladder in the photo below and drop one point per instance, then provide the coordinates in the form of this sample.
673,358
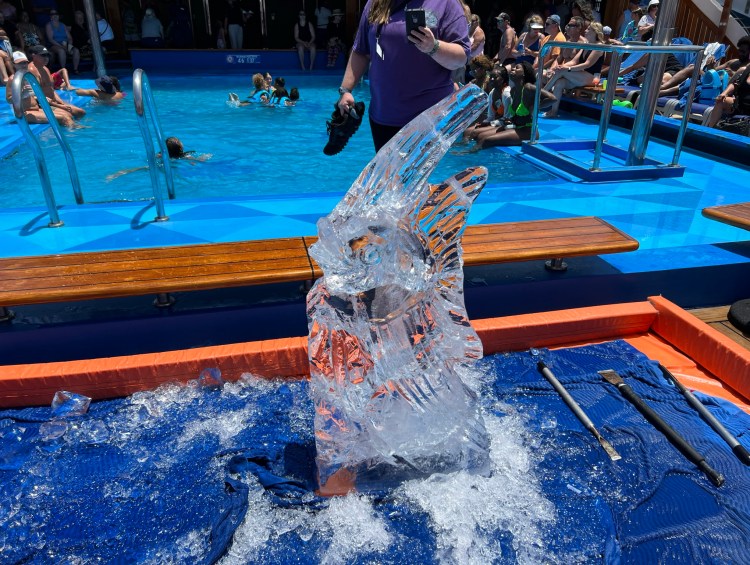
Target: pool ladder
144,100
36,149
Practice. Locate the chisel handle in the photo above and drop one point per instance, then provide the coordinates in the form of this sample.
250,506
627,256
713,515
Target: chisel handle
738,449
672,435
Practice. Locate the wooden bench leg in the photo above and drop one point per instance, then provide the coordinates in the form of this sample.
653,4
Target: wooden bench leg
164,300
6,315
556,264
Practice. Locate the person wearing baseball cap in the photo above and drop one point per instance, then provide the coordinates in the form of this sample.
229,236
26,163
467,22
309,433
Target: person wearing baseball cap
32,112
39,60
505,54
554,33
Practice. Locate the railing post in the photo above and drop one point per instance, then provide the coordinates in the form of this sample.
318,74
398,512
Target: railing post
609,95
41,164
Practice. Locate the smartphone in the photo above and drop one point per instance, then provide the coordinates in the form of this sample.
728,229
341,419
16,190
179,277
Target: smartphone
414,20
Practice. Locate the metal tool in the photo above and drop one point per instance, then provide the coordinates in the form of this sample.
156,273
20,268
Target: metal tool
738,449
577,410
672,435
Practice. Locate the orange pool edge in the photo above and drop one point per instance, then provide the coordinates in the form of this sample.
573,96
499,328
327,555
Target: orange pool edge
701,357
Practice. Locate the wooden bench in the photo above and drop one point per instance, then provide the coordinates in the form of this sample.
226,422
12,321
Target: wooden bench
737,215
162,270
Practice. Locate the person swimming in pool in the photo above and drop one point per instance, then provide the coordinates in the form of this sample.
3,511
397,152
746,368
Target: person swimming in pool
175,150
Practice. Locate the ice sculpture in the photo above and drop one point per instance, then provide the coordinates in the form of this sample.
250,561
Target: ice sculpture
388,327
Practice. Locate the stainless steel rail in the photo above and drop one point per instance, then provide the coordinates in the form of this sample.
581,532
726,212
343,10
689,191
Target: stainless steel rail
143,99
614,70
41,164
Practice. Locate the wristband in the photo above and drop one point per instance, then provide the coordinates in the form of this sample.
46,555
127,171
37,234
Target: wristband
343,91
434,49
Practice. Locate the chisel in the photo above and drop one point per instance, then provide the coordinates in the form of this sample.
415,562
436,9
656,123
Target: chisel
577,410
674,438
738,449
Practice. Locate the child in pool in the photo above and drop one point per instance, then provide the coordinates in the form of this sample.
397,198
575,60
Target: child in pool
175,150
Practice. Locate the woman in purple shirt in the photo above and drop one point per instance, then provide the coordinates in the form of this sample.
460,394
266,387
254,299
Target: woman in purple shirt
407,74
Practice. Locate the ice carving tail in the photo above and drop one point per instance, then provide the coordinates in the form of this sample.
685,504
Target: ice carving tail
397,175
442,218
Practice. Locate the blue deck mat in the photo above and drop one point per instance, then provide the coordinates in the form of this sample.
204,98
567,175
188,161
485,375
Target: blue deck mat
163,476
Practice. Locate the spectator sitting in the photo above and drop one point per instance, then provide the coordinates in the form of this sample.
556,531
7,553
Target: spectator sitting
579,71
39,59
648,21
304,36
8,10
530,41
568,54
523,93
552,26
61,42
479,69
743,58
335,37
80,34
10,28
107,89
499,108
130,31
323,17
626,17
152,32
33,113
106,35
61,80
630,33
734,100
29,34
6,61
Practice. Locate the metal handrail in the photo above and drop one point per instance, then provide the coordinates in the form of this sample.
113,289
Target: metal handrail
41,164
609,93
143,98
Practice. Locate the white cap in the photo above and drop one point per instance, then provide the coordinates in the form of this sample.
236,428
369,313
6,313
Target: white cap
19,57
653,3
606,30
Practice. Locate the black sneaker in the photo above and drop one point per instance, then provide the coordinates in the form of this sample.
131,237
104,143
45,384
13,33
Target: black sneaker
341,128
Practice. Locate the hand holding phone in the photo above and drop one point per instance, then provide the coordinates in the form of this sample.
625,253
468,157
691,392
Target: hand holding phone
414,20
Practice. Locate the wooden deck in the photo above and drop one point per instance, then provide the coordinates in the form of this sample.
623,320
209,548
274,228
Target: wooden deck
717,318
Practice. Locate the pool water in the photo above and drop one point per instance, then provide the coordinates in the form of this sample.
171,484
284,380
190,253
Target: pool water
254,150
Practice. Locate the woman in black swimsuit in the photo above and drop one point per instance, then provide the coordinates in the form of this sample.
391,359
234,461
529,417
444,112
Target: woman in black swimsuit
304,35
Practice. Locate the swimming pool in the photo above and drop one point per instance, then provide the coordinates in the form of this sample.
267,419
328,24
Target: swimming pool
254,150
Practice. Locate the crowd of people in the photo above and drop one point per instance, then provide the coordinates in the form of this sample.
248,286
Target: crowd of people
408,77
